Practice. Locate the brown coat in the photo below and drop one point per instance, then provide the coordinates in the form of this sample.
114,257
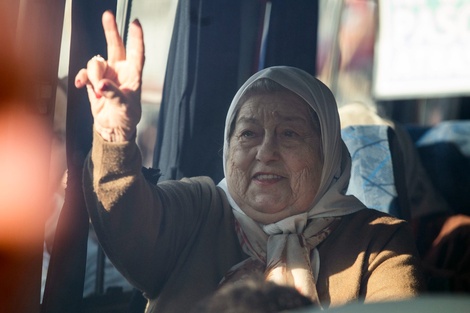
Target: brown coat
175,241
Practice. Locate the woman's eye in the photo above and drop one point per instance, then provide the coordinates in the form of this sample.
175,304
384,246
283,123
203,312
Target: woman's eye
247,134
289,133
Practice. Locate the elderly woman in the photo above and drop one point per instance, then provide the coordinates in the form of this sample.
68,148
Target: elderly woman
280,211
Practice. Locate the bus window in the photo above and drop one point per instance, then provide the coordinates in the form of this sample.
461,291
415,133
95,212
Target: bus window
359,41
157,19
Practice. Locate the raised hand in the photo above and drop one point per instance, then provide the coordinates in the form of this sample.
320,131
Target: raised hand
114,85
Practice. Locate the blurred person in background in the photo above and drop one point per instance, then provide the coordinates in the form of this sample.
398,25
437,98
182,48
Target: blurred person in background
253,295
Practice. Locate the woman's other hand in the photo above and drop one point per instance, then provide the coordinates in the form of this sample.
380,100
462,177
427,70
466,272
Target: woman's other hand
114,85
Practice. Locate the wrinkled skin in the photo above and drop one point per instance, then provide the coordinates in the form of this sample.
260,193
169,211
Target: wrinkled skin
275,158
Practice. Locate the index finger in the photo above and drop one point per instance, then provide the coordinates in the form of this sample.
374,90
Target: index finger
116,50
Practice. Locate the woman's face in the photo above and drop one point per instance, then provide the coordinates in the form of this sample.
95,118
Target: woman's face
275,158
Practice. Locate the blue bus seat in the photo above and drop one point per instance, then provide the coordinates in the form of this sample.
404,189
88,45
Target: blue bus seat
377,175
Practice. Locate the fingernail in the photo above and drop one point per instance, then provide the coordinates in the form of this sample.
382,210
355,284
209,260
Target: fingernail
78,83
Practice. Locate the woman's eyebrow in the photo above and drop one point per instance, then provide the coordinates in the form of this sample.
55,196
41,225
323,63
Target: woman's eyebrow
288,118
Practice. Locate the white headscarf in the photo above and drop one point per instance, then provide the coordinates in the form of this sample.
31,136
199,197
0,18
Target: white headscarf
265,242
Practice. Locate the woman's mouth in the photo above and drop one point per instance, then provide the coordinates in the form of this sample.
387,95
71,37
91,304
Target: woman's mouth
267,178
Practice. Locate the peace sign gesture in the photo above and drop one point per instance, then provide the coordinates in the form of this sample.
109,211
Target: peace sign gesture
114,85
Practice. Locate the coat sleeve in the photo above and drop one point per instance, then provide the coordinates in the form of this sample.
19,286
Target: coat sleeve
394,267
142,227
370,257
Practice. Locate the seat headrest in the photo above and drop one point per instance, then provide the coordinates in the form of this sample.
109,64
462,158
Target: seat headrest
374,180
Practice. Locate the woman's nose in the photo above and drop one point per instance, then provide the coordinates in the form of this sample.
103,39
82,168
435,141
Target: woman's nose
268,150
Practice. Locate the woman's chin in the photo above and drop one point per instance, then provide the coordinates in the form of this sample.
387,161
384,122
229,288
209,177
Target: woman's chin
266,216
